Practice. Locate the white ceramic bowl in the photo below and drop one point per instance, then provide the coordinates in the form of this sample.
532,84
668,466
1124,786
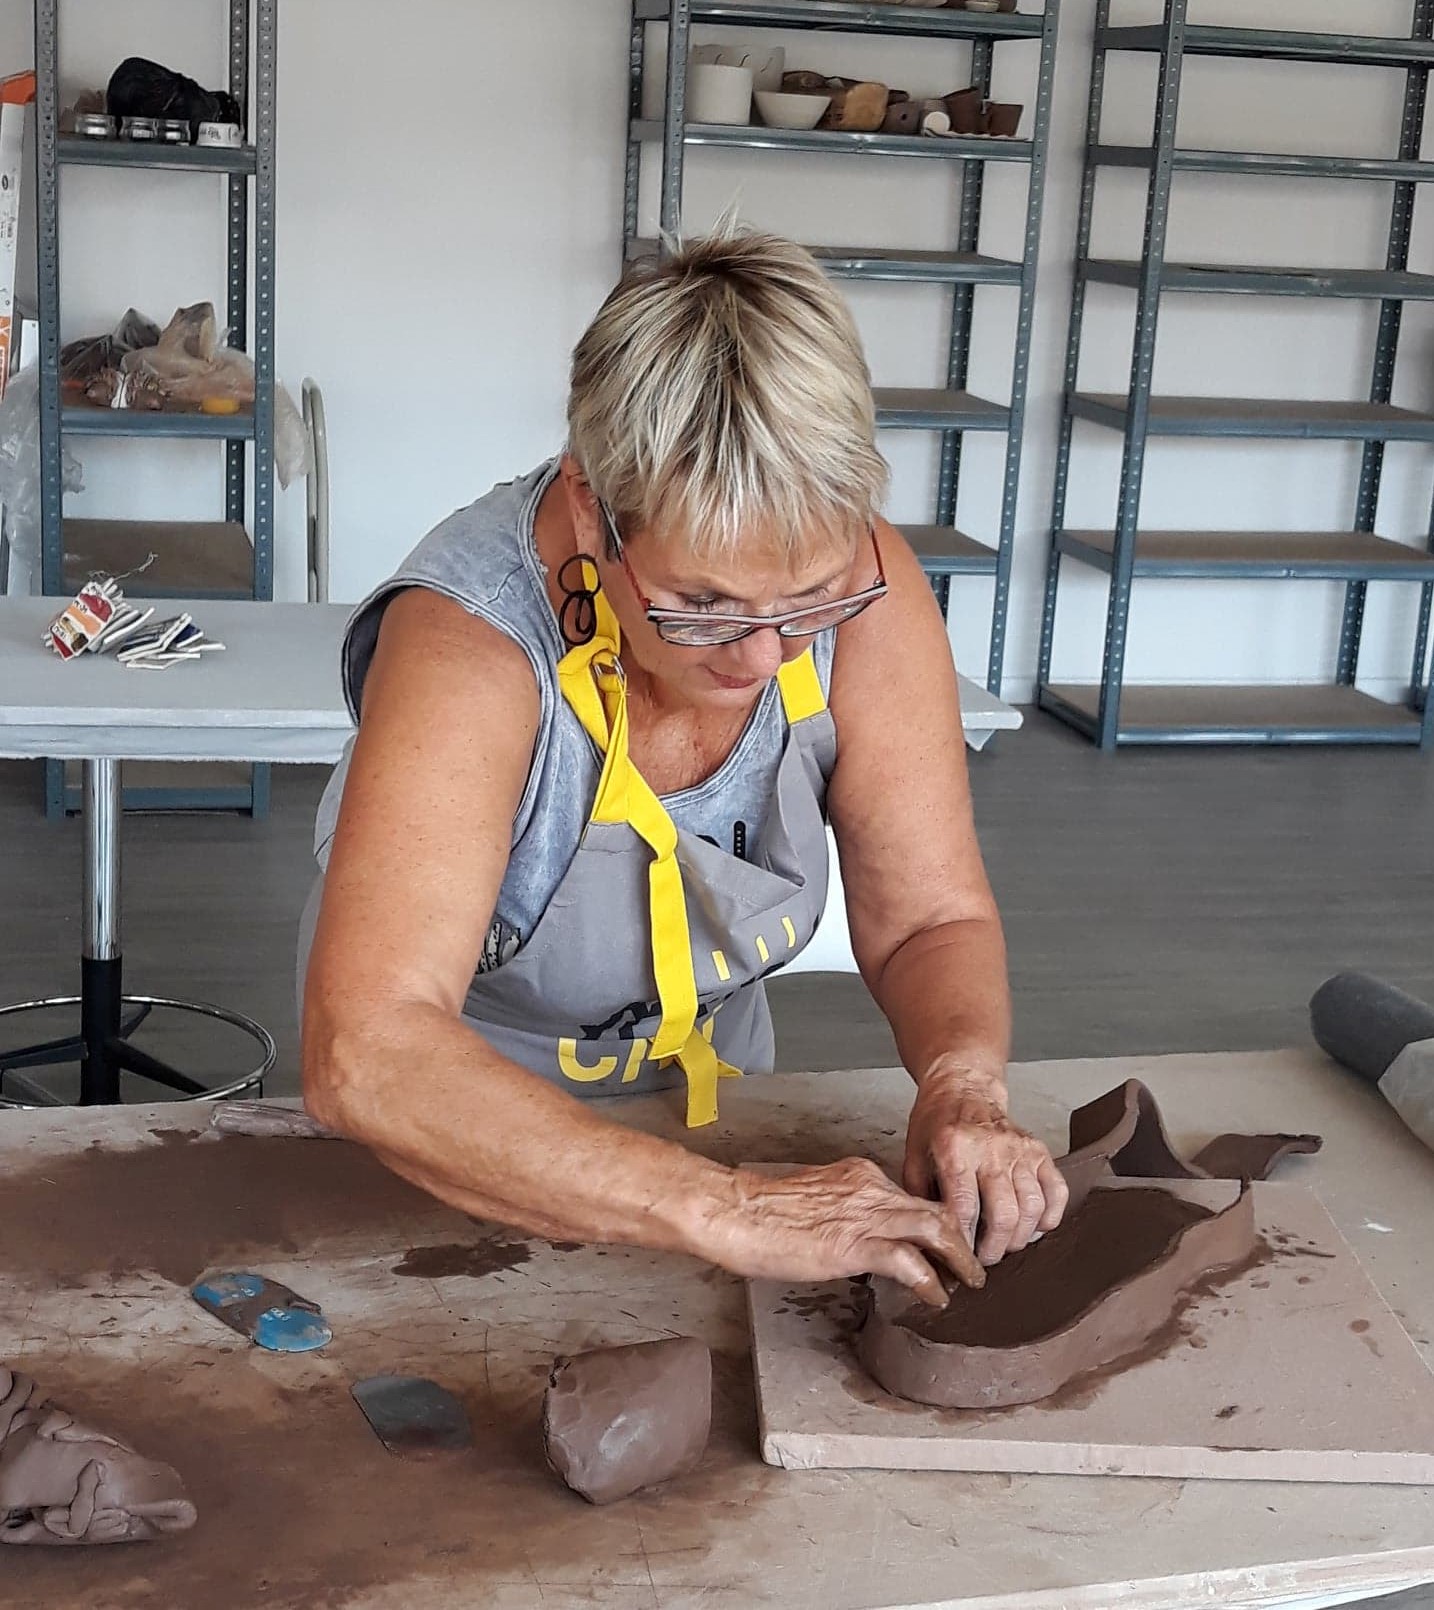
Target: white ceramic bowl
787,111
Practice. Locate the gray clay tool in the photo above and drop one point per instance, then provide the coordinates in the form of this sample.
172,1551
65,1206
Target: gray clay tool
413,1417
1386,1036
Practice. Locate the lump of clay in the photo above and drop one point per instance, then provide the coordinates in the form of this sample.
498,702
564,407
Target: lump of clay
1102,1286
621,1418
62,1482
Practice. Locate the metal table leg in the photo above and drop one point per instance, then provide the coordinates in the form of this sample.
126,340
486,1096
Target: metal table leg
103,1047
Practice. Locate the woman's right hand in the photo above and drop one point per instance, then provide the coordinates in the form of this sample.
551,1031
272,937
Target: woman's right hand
838,1219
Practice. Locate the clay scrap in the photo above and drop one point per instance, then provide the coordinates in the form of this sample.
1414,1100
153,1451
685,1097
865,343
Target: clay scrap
61,1482
1124,1127
1105,1286
621,1418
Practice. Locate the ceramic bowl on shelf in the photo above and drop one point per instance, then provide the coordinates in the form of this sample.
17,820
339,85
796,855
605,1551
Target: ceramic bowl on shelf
790,111
719,94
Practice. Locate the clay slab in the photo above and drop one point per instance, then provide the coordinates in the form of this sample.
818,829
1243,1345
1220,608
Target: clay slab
1294,1371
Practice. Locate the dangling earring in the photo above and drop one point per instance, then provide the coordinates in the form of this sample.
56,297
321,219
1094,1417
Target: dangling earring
578,615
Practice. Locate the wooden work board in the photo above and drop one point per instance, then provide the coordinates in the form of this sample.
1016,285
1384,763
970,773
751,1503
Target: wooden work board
1295,1370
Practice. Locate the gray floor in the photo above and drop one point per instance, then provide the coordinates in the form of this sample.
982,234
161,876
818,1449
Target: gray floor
1154,901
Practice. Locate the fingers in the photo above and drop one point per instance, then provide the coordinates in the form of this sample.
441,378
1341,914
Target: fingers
1030,1204
1000,1215
917,1178
901,1216
1055,1192
929,1227
960,1188
900,1261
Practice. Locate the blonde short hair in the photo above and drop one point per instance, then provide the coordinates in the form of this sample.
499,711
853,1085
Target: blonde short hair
721,398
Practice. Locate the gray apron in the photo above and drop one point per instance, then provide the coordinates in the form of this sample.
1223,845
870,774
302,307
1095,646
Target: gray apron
645,968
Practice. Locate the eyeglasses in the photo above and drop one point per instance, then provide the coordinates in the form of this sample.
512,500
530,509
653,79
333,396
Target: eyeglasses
701,629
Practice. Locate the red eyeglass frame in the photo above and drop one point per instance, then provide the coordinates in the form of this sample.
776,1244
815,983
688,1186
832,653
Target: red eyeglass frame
659,618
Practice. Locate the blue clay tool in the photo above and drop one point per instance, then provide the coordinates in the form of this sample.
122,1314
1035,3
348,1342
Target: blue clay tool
269,1314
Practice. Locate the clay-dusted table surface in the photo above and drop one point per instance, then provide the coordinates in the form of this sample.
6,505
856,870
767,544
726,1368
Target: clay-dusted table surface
301,1507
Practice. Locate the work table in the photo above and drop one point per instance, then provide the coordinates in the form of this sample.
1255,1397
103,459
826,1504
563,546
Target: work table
108,1213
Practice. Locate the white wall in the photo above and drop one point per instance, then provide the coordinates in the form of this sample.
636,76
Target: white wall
449,217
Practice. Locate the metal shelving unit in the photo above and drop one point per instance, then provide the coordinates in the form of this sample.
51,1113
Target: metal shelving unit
950,411
1108,712
223,558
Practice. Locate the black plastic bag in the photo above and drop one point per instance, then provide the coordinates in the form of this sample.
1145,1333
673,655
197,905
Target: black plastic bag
140,88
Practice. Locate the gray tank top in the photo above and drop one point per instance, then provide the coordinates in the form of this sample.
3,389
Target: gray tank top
484,558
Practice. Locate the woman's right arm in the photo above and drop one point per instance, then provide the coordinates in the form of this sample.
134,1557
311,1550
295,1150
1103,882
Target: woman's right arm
450,712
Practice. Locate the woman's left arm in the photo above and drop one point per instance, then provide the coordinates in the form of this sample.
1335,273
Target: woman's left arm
924,925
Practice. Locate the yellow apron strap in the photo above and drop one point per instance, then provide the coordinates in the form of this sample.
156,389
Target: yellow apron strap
591,680
801,688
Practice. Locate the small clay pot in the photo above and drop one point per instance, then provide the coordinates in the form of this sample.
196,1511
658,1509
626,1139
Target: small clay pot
1003,118
902,117
964,109
804,82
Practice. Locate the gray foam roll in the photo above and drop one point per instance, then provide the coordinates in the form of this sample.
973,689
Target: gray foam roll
1365,1023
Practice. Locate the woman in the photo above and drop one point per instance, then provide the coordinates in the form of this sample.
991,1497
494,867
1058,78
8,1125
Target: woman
604,713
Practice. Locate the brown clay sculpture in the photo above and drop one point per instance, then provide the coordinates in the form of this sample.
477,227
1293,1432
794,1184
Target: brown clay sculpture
1002,118
1105,1286
1100,1288
621,1418
963,107
856,108
63,1483
902,117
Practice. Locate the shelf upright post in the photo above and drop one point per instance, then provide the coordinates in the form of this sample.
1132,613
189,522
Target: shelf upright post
958,359
1089,171
1142,369
1386,347
237,307
47,191
265,108
1021,358
632,165
674,126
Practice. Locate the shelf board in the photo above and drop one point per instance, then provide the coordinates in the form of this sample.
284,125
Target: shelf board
1265,418
1219,714
847,16
82,420
75,151
1258,280
1279,44
750,136
193,559
942,268
945,551
890,263
916,408
1270,163
1268,555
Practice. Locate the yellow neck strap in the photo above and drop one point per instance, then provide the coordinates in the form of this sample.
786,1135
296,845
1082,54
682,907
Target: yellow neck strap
592,681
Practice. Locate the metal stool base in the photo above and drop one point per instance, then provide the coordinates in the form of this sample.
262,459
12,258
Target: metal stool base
126,1058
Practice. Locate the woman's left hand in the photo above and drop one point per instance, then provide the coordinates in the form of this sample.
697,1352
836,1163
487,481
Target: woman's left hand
962,1148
